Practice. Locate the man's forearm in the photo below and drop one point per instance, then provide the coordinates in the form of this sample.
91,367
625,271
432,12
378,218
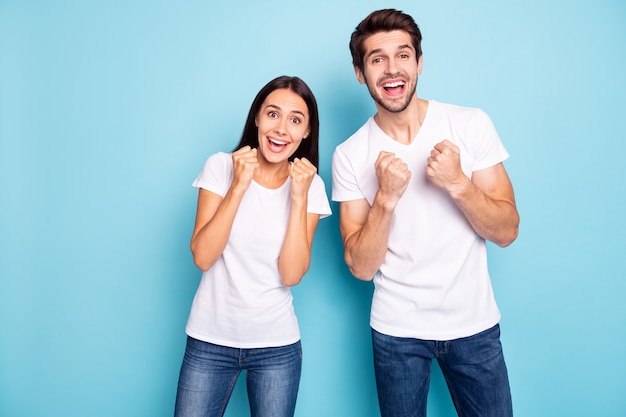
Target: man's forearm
365,250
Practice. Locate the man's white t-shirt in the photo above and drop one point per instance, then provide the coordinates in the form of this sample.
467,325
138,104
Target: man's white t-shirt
241,301
434,283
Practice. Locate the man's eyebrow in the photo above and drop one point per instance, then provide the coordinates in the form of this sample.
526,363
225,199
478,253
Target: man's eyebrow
399,48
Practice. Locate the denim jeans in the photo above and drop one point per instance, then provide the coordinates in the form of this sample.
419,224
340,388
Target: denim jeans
473,368
209,372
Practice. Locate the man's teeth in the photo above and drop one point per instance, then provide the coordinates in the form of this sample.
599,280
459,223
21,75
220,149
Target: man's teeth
396,84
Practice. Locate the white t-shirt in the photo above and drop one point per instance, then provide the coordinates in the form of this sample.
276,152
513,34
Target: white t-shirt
434,283
241,301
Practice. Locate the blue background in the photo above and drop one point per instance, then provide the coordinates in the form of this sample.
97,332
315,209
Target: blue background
109,109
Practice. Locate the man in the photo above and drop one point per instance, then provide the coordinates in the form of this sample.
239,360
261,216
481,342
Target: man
421,187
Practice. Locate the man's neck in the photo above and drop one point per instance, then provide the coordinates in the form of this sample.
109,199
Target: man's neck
402,126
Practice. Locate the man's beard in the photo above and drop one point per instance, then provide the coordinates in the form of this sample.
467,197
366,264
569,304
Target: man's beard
395,106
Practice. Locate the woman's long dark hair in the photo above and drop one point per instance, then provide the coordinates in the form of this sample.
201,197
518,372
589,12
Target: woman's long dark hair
309,147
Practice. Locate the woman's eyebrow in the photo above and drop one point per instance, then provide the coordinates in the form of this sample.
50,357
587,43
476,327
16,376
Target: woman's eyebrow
274,106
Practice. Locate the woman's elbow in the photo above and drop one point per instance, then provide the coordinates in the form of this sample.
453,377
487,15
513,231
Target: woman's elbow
290,281
202,264
291,272
291,275
201,261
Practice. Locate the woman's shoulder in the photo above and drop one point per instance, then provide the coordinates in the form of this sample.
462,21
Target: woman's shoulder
220,158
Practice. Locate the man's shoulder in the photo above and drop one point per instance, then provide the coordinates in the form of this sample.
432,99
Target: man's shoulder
455,110
356,139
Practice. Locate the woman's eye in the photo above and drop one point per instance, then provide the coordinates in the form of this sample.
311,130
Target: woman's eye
272,114
295,120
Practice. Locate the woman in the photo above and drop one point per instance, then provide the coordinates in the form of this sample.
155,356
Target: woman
258,209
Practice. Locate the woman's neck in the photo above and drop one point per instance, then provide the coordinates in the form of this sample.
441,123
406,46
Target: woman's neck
272,175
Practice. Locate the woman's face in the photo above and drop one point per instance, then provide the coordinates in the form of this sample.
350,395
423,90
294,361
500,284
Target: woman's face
282,122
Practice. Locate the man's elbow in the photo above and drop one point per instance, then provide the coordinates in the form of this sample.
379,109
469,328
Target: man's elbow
359,271
508,237
362,275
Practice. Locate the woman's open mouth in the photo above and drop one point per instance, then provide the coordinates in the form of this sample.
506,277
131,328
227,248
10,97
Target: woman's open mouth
276,145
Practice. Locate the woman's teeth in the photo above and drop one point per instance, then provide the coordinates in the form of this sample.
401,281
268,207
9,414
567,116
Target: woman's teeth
277,143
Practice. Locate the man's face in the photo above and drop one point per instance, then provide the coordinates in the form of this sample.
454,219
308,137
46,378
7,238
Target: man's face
391,68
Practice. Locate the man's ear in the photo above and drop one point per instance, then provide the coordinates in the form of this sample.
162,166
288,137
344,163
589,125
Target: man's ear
359,75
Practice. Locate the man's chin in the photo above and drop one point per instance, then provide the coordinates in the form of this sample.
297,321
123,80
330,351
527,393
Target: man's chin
393,106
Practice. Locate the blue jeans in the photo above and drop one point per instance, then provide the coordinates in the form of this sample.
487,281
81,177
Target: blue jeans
473,368
209,372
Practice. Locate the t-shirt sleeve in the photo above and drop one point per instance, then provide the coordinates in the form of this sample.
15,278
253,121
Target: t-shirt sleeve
216,175
488,149
318,199
345,186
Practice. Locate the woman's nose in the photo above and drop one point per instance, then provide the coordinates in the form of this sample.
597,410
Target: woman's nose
280,128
